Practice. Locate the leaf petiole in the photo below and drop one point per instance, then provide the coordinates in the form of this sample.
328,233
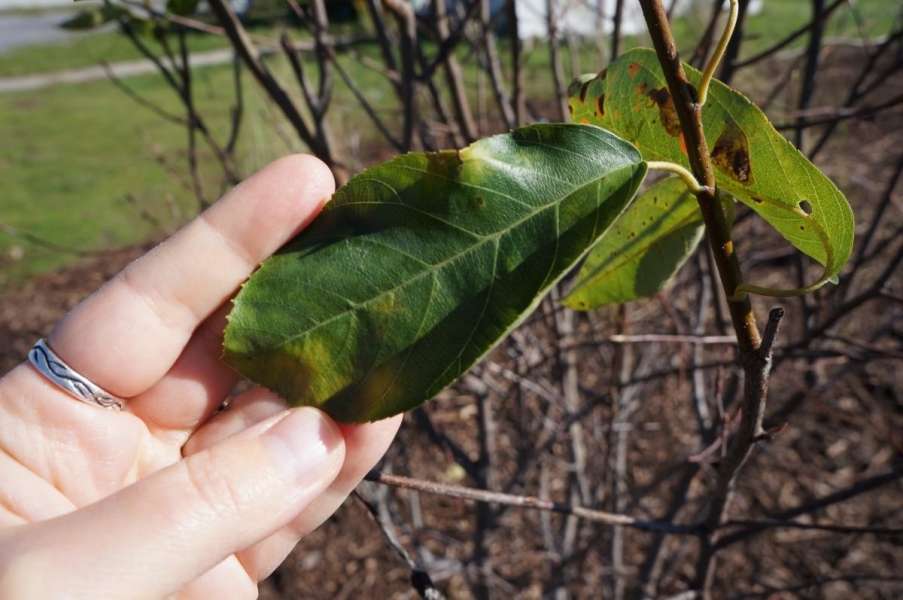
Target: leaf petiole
709,72
682,172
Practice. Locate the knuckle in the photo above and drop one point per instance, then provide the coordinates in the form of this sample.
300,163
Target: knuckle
214,484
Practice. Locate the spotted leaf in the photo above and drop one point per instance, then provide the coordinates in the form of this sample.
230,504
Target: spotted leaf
642,250
753,162
418,267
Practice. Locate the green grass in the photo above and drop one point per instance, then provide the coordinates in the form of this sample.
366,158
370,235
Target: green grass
86,50
72,154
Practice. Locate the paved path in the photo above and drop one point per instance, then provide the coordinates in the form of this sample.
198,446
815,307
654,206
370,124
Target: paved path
26,29
122,69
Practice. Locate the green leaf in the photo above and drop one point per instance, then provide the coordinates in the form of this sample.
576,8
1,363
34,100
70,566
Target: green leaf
642,250
93,17
418,267
753,162
181,7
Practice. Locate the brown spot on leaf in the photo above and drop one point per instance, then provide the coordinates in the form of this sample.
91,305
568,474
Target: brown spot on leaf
633,68
600,105
683,143
603,74
757,200
446,163
583,89
641,88
571,109
585,121
667,112
731,154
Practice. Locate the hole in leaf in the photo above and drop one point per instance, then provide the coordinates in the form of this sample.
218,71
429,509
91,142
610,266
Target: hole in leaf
805,207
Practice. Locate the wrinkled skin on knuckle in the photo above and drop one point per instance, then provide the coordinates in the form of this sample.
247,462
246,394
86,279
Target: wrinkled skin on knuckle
213,478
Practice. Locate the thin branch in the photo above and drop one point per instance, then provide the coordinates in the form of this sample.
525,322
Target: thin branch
493,65
756,368
874,291
47,244
386,43
812,24
156,109
617,22
450,41
561,92
856,580
886,201
237,111
858,91
597,516
697,59
245,48
832,116
420,579
407,26
193,122
453,76
861,487
178,87
368,108
813,55
518,100
733,48
832,527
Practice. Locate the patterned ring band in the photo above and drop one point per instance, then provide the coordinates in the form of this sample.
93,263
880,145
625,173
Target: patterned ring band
56,370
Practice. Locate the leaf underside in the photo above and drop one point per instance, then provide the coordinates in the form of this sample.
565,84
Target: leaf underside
753,162
642,250
418,267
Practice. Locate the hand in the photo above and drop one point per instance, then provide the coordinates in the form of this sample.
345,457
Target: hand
168,497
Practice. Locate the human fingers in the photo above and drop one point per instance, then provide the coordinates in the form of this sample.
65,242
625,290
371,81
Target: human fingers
126,336
244,411
364,447
192,389
153,538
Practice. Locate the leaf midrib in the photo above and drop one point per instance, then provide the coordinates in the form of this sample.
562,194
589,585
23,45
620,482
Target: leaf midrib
439,266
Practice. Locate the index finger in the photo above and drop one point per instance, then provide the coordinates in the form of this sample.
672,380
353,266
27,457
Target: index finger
128,334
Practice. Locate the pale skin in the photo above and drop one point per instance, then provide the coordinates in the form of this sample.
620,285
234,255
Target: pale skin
168,498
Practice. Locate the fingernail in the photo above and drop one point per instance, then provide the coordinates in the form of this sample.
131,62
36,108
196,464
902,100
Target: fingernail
306,440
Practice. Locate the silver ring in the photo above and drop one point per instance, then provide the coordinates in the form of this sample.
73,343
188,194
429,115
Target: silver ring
56,370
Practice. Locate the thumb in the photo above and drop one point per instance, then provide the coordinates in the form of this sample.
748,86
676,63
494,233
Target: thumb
156,536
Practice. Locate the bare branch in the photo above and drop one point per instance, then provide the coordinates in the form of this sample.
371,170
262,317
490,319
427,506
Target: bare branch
860,487
156,109
251,57
532,502
701,340
420,579
812,24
